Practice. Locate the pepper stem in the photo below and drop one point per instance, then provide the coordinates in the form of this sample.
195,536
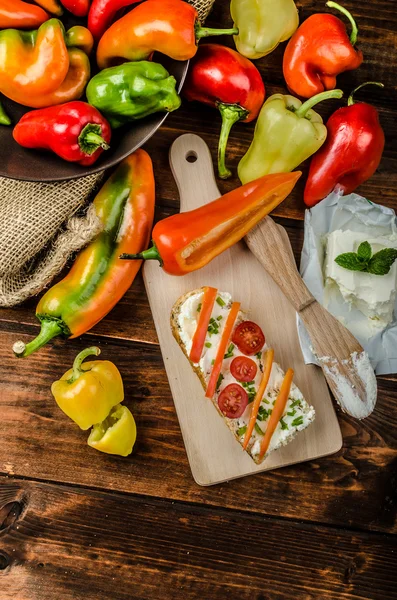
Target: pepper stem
49,329
4,118
149,254
231,114
350,101
77,370
90,139
302,111
354,33
202,32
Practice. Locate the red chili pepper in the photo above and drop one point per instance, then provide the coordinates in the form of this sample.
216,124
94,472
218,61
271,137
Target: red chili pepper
318,51
351,153
75,131
221,77
79,8
102,13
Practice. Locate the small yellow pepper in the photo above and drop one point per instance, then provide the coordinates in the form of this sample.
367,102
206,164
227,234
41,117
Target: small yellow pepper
116,434
87,393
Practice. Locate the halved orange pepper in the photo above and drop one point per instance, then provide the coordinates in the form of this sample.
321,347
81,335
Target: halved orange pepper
36,67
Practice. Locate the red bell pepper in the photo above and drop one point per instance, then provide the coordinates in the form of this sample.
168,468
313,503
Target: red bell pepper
318,51
79,8
222,78
102,14
75,131
351,153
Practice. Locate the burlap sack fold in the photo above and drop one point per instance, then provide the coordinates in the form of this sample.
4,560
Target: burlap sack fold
39,229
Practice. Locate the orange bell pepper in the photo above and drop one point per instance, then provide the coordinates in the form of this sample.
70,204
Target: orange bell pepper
98,279
16,14
167,26
190,240
36,67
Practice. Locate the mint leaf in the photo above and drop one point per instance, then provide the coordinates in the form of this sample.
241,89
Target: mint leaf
364,251
351,261
382,261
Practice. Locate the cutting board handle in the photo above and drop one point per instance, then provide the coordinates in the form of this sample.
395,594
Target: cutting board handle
193,171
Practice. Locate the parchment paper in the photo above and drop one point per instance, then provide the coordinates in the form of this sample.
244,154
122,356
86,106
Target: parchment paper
357,214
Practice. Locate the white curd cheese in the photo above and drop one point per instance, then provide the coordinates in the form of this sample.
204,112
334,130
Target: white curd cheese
372,295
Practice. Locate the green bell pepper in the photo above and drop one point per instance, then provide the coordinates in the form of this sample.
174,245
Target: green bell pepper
287,132
4,118
132,91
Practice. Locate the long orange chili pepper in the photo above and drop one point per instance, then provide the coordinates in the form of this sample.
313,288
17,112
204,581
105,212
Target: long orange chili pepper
16,14
278,411
190,240
98,279
259,396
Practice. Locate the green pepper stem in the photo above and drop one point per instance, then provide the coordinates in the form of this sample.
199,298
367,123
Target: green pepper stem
202,32
77,370
350,101
4,118
49,329
354,33
302,111
149,254
90,139
231,114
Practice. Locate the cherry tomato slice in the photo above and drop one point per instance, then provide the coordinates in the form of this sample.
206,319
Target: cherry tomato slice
243,368
248,337
233,401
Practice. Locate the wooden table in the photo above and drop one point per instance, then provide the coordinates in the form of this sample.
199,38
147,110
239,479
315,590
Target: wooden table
75,524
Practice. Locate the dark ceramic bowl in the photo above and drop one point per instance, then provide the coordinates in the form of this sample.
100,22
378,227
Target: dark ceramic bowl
35,165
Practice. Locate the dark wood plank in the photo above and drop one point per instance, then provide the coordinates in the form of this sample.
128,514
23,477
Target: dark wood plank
58,542
356,487
131,319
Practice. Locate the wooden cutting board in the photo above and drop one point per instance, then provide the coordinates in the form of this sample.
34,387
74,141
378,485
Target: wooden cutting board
213,452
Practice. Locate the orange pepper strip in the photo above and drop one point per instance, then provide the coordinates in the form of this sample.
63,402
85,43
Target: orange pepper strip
226,334
202,326
259,396
278,411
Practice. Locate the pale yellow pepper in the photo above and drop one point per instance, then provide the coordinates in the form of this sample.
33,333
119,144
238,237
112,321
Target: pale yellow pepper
262,25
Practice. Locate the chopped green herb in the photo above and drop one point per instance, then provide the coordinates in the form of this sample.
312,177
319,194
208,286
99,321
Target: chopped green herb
213,361
263,413
258,429
265,401
298,421
199,307
220,301
292,413
295,403
249,382
241,430
219,382
229,352
258,355
219,318
251,396
208,344
213,327
283,424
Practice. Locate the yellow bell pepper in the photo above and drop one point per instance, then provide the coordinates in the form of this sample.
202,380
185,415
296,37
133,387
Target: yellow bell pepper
263,25
87,392
116,434
287,132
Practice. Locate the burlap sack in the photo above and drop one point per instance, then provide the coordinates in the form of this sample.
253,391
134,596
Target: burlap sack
39,229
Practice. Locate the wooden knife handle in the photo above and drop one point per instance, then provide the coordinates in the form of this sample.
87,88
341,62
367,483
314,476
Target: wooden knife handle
273,250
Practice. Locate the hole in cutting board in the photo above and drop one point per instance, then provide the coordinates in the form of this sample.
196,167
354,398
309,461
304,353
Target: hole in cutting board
191,156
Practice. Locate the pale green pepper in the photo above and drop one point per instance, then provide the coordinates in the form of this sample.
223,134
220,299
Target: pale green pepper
263,25
287,132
